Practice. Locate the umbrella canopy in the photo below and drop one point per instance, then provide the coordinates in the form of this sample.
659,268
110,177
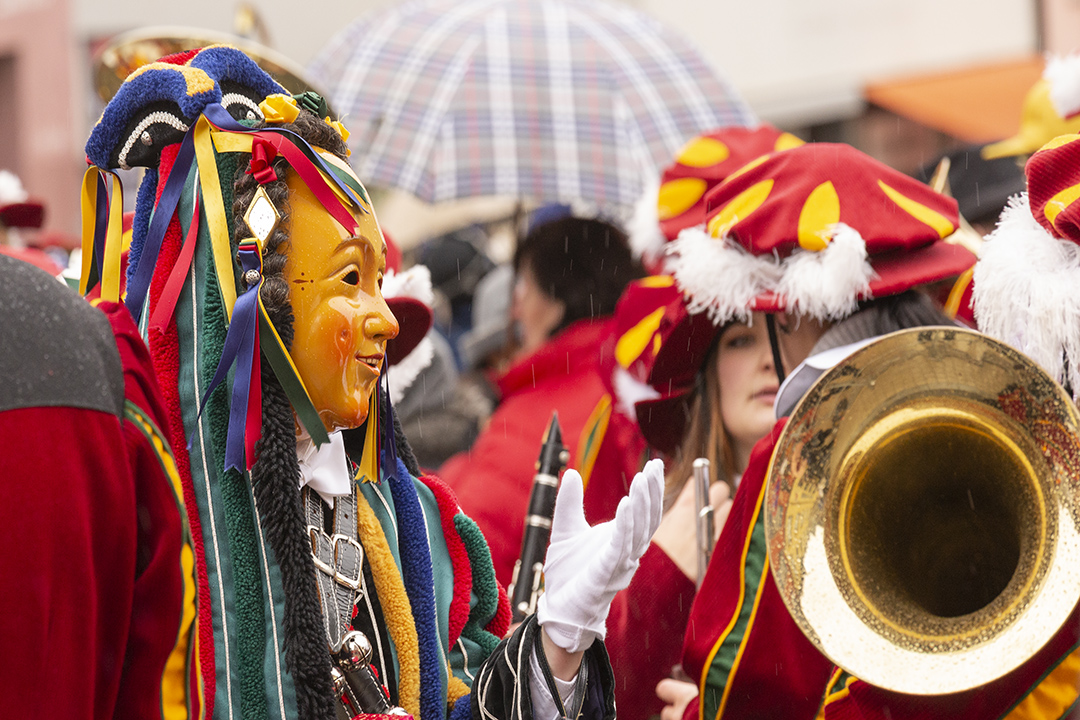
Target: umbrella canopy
554,100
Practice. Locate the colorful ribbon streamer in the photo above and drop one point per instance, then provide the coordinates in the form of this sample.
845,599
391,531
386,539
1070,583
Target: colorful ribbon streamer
159,224
241,341
102,231
171,292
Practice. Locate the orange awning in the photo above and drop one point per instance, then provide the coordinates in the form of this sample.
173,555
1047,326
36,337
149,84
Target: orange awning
978,104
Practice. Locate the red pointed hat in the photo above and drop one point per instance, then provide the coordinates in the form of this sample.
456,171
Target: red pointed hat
813,230
1029,267
659,349
410,297
16,208
701,165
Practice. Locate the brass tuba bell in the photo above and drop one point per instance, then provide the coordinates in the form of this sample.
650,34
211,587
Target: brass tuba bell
921,511
129,51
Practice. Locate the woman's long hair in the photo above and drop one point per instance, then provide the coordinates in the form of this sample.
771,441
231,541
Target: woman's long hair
705,434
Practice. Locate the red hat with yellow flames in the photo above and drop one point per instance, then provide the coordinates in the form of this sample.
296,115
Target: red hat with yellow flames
811,230
702,164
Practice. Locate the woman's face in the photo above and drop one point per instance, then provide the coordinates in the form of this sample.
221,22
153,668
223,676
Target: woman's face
536,312
341,322
748,379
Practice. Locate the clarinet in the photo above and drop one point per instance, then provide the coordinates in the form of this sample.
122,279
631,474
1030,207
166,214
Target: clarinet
527,583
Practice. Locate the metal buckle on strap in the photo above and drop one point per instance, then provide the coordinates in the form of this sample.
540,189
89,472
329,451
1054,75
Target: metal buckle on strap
336,545
340,544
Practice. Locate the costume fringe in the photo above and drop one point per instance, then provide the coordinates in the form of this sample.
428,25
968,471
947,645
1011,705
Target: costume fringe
718,276
1025,291
416,571
459,556
404,373
275,477
396,609
490,617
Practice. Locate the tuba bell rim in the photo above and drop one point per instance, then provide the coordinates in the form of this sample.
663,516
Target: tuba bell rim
802,544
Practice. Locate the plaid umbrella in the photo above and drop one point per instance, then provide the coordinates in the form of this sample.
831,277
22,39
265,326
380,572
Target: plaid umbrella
554,100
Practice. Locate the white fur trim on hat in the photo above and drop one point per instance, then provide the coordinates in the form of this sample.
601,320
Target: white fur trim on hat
413,283
643,228
829,283
629,391
719,276
1063,74
11,189
1025,291
402,375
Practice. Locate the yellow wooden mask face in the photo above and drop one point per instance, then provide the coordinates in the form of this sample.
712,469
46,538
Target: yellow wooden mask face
341,321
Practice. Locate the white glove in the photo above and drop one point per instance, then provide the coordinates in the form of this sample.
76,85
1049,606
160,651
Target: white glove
586,566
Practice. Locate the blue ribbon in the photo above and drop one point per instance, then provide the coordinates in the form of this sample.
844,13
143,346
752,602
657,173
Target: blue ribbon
159,224
388,441
239,349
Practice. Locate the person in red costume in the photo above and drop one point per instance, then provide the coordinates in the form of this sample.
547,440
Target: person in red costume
1024,290
98,608
570,272
667,369
859,273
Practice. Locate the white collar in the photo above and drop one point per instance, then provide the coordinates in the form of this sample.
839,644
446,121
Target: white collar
325,469
808,371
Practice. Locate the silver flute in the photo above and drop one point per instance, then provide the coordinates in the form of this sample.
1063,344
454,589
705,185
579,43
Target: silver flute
705,528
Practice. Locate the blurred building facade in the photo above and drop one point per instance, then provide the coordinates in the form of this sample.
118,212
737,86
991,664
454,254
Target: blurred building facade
801,64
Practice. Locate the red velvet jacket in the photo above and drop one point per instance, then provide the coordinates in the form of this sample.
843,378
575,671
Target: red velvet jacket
98,601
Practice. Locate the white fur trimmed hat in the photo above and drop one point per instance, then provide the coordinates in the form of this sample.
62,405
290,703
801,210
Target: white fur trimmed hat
813,230
1025,283
678,202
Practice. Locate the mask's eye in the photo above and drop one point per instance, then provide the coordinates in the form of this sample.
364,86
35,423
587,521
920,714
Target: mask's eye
353,278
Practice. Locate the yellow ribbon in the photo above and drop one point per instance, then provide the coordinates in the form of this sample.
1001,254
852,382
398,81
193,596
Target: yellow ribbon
89,220
368,471
214,208
114,241
110,268
341,130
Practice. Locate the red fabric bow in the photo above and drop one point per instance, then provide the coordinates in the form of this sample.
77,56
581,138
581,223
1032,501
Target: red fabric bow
262,157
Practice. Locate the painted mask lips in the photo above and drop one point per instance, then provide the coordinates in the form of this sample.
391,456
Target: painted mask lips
373,362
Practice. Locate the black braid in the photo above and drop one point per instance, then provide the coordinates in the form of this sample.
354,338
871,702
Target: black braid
276,473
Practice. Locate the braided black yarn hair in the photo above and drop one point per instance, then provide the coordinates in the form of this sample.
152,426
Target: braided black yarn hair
276,473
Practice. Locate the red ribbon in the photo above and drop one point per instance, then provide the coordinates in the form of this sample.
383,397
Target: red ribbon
310,176
253,424
262,157
166,304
